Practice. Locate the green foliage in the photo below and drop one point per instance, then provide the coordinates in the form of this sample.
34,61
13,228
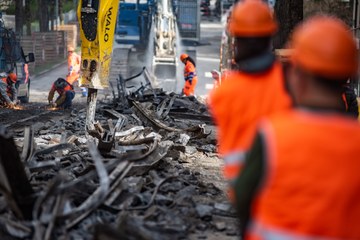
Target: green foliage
10,10
5,4
33,9
68,5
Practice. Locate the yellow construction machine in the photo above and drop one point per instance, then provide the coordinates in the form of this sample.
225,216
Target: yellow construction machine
97,19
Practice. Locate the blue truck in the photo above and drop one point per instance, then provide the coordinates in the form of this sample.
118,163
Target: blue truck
136,16
134,22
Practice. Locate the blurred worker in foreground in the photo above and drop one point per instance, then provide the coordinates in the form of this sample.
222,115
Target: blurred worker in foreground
8,92
74,61
190,76
254,89
65,91
301,177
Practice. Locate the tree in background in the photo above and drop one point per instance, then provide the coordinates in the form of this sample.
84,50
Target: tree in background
5,4
19,13
338,8
43,15
28,17
61,11
289,13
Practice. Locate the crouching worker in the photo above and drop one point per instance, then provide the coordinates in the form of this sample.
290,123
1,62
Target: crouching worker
8,93
65,91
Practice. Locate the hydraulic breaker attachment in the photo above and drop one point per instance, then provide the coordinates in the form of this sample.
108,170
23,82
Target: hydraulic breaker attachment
97,19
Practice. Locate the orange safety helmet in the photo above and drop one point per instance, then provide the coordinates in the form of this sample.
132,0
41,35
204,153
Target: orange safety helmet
251,18
183,57
13,77
325,46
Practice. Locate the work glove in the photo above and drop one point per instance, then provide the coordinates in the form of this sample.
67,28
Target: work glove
52,104
11,105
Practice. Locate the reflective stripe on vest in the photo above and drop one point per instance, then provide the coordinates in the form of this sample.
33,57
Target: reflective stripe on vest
235,158
189,71
263,232
233,165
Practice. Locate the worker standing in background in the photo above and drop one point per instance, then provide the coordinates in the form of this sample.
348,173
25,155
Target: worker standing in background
301,177
190,76
216,75
8,92
350,100
254,89
74,61
65,91
26,71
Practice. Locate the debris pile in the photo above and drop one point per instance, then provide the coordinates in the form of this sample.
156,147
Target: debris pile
138,173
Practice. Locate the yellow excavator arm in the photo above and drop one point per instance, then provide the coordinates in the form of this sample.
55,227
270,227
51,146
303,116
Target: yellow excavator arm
97,20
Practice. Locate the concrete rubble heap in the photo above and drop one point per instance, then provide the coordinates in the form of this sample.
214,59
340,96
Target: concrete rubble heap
133,176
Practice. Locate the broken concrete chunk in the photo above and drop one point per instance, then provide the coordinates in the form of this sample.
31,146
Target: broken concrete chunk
190,150
220,226
207,148
204,211
80,141
133,184
226,207
183,139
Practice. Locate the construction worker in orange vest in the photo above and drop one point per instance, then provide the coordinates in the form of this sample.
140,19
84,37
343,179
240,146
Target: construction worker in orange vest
74,61
8,92
190,76
65,94
254,89
216,75
301,177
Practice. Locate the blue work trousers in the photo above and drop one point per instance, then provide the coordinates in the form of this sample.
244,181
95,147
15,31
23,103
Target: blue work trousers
68,100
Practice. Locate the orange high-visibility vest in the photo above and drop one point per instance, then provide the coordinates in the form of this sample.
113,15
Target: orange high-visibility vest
189,73
311,188
238,104
74,61
72,78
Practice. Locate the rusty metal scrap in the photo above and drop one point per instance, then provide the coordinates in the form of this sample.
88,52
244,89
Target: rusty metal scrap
13,178
126,169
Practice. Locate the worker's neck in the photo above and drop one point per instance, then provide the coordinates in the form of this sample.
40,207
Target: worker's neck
320,101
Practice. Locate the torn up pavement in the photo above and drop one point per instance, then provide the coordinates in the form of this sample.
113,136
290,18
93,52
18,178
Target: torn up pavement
147,169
